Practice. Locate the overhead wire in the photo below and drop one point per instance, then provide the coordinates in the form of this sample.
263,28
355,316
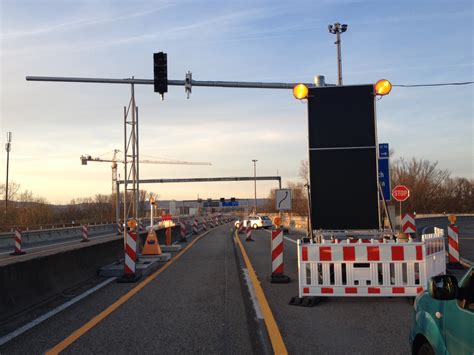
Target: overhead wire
429,85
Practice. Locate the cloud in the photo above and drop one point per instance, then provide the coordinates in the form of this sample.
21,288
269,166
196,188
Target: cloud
77,24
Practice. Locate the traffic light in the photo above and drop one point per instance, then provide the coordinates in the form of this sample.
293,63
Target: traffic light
160,72
232,199
222,199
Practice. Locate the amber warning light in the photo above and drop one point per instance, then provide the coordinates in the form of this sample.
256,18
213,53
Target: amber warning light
383,87
300,91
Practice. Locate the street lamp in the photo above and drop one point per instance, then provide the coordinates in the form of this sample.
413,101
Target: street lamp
337,29
8,147
255,183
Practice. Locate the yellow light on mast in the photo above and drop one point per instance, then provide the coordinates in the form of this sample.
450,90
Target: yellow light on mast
383,87
300,91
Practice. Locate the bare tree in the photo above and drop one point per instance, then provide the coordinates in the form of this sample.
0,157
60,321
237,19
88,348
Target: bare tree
303,172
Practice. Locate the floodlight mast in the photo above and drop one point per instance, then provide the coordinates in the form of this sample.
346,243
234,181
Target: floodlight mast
337,29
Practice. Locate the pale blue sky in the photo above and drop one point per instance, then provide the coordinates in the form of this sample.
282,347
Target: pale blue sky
53,124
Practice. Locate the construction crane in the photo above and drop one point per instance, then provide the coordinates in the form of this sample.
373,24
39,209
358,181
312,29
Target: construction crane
114,161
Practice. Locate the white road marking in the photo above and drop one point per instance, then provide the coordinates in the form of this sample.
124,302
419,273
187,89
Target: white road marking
253,296
6,338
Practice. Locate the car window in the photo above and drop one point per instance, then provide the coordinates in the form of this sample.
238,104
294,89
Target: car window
265,217
466,294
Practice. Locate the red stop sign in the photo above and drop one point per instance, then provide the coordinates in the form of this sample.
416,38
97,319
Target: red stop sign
400,193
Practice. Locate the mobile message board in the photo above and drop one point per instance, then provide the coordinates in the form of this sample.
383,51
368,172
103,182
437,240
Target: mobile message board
343,158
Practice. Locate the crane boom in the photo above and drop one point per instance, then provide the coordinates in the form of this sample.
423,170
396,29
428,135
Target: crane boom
114,161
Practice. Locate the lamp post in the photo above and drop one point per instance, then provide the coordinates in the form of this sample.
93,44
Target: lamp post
337,29
8,147
255,183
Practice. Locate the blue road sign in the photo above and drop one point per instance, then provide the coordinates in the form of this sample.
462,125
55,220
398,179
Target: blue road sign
230,203
384,171
383,150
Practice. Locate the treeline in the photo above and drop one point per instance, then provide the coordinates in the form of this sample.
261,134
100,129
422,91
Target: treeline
27,209
432,190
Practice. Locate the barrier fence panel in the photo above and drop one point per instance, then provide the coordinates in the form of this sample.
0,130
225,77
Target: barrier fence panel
377,268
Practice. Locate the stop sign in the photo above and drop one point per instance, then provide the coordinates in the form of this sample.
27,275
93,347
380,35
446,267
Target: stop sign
400,193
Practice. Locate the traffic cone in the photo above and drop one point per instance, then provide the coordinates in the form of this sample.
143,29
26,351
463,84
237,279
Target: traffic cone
151,247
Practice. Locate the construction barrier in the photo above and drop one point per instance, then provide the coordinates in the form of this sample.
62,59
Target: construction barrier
182,231
278,275
119,228
204,224
453,245
249,234
408,223
370,269
130,255
195,226
18,250
85,233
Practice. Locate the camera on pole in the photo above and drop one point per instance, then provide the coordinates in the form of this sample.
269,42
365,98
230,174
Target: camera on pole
160,72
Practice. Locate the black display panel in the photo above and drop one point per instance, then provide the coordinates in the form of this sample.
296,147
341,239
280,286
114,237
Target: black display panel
343,196
341,116
343,158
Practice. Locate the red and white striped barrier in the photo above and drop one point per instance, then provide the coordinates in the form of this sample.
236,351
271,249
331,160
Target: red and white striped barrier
182,231
141,227
369,269
18,250
278,275
85,233
248,232
130,255
119,228
204,224
241,227
195,226
408,223
453,244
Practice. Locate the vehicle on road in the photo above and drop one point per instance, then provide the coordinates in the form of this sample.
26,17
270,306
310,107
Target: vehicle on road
255,222
444,316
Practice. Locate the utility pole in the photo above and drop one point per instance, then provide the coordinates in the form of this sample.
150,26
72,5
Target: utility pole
8,147
255,183
337,29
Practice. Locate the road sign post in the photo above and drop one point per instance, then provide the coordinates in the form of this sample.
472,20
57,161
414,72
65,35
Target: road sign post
400,193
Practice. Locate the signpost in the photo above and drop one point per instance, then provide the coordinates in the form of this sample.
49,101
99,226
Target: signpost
400,193
283,199
384,171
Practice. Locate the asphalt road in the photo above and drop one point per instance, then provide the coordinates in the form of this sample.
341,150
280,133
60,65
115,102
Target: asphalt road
199,304
195,305
336,325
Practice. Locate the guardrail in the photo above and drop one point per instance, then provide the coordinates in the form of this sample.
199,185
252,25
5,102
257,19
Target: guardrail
38,236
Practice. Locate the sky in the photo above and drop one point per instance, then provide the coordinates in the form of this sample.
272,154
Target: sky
53,124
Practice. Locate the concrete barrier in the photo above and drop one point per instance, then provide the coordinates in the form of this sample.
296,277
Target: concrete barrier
35,237
35,279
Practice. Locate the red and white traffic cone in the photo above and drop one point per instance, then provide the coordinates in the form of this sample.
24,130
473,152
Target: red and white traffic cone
249,234
18,250
278,275
85,233
453,247
182,230
195,226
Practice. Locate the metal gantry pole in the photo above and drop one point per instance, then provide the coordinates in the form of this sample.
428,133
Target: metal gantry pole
137,163
8,147
255,183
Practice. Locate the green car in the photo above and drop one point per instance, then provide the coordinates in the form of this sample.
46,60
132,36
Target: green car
444,316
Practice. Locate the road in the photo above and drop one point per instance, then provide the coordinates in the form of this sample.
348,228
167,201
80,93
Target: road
199,303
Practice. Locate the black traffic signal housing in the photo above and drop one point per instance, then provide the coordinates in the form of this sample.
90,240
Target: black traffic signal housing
160,72
222,199
232,199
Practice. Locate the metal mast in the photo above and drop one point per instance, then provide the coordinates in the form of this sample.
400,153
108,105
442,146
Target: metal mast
337,29
8,147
